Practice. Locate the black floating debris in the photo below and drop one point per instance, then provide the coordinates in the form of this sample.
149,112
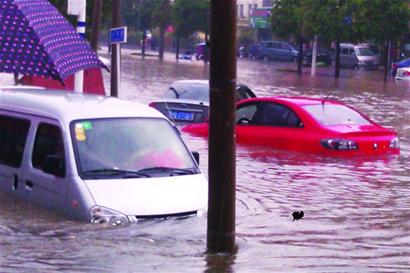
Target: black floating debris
297,215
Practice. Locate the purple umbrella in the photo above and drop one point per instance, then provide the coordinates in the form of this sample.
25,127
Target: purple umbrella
35,39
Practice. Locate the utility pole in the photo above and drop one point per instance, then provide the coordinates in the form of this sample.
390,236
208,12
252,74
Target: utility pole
222,183
96,23
115,49
78,8
337,60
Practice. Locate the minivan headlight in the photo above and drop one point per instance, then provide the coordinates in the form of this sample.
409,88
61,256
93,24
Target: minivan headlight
101,215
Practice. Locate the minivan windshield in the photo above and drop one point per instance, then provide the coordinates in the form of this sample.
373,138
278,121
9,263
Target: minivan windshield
364,51
335,114
132,147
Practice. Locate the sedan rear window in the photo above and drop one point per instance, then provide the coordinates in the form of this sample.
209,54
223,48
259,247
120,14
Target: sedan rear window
189,92
333,114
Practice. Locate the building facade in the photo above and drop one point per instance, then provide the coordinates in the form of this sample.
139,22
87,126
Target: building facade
246,20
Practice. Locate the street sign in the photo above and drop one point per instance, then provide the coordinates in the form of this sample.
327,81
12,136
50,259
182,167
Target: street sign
118,35
260,18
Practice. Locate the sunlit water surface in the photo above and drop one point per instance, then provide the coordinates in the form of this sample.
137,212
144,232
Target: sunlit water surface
357,211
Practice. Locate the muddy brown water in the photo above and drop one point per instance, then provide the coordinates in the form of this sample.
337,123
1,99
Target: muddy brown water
356,211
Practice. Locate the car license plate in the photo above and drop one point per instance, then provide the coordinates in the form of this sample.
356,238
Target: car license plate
181,115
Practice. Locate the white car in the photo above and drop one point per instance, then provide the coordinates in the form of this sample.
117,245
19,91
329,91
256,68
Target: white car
403,73
94,158
187,101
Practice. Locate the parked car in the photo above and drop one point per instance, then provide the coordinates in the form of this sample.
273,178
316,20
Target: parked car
357,57
243,52
403,73
309,125
94,158
323,56
253,51
187,55
277,51
188,100
200,51
399,64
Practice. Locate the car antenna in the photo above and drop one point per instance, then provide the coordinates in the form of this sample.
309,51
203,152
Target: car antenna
175,91
326,98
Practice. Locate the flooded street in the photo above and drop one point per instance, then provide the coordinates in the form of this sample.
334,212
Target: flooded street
357,210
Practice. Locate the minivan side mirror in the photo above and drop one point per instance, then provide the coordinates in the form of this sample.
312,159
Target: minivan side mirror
53,165
196,156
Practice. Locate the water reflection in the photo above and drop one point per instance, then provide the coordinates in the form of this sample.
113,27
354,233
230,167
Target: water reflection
356,210
220,263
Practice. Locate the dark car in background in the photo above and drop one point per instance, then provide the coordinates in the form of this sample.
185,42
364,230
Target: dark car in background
276,51
323,57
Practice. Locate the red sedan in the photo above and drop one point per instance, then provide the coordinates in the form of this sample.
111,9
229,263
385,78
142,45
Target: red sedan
307,125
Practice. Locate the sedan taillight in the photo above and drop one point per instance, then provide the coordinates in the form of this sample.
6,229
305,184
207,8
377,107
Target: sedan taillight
339,144
406,73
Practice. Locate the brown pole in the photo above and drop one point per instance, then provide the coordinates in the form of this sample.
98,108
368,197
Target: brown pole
221,200
96,23
115,49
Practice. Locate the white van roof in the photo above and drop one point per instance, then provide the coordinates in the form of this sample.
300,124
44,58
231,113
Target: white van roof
66,106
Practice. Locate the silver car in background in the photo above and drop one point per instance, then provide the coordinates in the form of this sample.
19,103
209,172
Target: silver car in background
358,57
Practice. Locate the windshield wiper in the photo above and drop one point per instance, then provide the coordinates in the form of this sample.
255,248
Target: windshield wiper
113,172
178,171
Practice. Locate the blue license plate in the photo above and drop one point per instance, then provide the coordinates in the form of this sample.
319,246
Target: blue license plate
181,115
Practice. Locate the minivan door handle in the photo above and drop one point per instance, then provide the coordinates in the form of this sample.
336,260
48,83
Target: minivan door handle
29,185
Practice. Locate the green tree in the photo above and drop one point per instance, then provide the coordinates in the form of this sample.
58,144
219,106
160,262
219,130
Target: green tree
288,20
189,16
161,18
384,21
332,21
138,16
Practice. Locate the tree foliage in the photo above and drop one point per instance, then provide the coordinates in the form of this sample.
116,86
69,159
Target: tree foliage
382,20
190,16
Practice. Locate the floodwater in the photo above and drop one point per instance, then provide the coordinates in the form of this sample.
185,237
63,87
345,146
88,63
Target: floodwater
357,211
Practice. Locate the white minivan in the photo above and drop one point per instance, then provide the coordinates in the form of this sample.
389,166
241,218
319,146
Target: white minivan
358,56
94,158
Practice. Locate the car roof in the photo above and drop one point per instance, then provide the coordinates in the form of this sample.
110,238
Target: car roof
67,106
198,82
190,82
297,101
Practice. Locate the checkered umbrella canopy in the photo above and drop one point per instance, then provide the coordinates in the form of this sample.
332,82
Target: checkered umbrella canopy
35,39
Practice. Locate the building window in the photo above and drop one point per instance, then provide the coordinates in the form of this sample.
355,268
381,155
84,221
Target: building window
249,10
255,6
